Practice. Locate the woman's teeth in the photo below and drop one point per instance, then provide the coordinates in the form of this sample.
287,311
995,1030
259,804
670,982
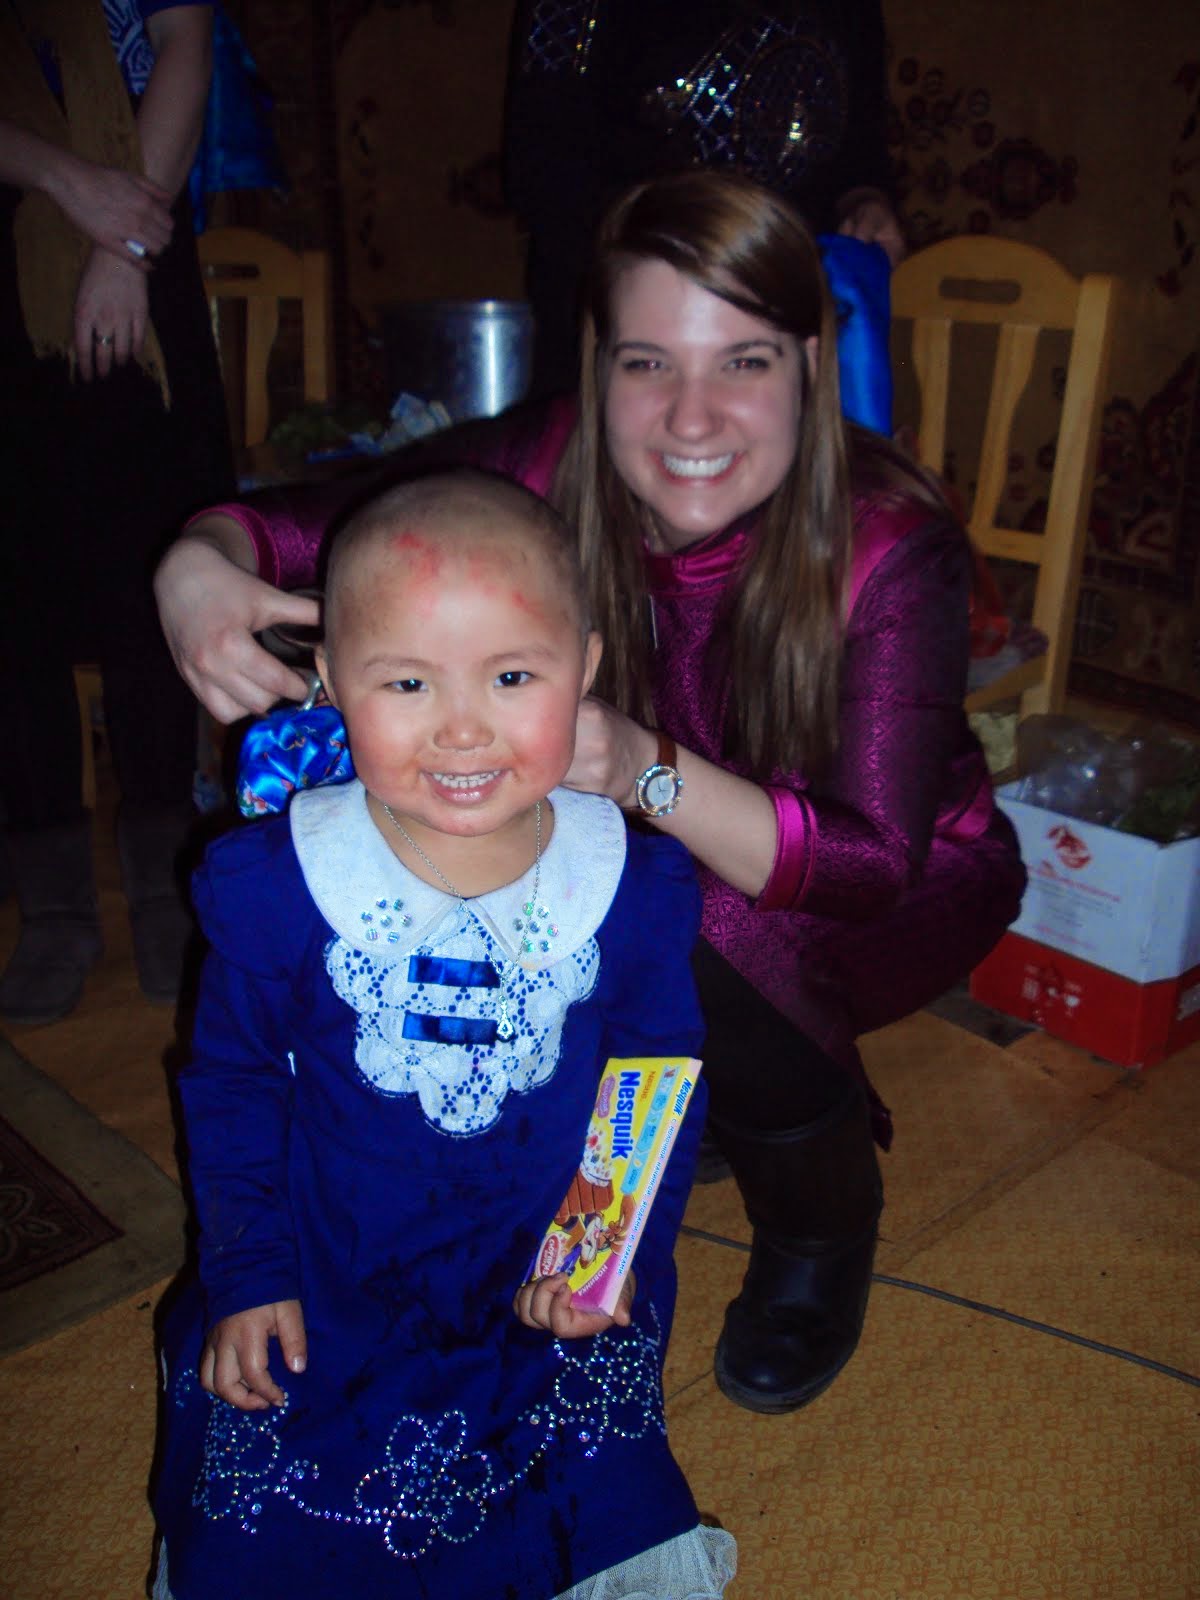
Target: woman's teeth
703,467
464,780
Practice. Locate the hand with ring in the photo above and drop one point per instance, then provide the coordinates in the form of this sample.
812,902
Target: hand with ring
111,314
123,212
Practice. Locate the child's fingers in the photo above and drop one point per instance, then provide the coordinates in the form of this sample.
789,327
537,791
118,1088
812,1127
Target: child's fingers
535,1302
225,1380
293,1345
257,1379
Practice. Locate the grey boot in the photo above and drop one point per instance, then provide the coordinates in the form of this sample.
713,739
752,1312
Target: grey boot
150,843
60,938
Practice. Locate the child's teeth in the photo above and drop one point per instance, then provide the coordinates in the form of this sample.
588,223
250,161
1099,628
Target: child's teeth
472,780
690,467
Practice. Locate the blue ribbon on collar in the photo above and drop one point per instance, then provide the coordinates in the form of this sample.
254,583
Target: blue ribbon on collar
294,748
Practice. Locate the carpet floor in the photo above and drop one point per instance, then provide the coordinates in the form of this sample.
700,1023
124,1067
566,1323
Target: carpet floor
1018,1424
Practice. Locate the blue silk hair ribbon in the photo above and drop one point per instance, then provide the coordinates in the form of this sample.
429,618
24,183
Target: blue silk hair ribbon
860,281
297,747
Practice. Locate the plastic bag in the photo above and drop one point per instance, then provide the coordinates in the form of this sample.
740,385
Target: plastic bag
1142,781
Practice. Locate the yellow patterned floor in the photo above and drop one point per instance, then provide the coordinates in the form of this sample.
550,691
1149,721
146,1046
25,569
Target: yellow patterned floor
1020,1422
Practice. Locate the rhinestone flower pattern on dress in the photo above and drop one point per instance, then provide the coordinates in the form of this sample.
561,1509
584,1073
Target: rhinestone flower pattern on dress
432,1483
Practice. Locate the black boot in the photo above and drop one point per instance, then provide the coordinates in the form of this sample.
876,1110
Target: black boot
813,1195
150,844
60,938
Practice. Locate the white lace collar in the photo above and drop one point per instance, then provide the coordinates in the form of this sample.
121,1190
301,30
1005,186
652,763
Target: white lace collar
373,902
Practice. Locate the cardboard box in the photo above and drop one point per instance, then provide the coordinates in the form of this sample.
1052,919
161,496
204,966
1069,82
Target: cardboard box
1106,951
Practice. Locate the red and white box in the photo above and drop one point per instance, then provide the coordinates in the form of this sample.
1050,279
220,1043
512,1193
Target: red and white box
1106,951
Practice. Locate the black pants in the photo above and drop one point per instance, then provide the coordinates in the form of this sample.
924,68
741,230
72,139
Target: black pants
95,479
763,1074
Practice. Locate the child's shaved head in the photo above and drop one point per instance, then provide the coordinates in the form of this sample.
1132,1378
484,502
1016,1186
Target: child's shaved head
448,513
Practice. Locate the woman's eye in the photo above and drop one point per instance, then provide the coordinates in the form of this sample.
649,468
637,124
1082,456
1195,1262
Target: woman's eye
513,679
749,364
641,364
408,685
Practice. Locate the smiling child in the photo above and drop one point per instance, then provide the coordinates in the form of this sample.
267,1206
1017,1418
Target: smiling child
415,980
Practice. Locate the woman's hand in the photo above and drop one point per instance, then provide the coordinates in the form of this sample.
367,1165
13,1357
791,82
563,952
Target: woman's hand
112,207
611,752
111,314
233,1362
871,219
546,1303
210,609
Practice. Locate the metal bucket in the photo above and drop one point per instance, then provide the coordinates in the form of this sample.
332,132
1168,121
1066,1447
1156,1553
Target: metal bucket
475,356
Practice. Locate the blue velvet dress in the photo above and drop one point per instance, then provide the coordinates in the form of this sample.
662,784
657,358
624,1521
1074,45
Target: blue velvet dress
361,1139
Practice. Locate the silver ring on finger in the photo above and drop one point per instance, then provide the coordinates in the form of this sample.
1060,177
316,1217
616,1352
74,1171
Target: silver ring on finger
135,248
103,338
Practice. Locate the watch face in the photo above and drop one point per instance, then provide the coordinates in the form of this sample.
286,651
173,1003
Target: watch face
661,788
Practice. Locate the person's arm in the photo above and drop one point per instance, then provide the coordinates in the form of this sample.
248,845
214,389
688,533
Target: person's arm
237,1089
725,821
653,1010
170,117
108,205
211,604
851,847
111,314
210,598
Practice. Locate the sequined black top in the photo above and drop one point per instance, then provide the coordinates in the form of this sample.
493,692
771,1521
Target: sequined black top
605,93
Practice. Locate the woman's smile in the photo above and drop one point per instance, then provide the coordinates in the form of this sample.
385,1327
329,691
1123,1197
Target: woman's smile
709,469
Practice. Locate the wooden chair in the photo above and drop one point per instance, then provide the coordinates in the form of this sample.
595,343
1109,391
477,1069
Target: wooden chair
243,264
1021,290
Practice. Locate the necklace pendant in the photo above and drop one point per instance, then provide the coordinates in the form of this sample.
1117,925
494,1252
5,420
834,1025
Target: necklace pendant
504,1023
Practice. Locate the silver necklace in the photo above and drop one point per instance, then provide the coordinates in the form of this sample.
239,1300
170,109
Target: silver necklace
525,927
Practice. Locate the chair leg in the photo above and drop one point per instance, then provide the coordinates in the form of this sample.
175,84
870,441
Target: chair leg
88,690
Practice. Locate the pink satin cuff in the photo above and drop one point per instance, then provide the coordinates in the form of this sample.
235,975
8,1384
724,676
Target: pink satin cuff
974,817
257,530
795,851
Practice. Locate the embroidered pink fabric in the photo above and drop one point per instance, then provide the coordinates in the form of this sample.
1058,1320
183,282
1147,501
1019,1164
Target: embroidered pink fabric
896,874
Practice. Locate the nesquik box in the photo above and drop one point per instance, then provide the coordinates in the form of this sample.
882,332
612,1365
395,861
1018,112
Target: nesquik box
639,1106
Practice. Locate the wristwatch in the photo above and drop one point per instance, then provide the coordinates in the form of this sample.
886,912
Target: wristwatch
659,787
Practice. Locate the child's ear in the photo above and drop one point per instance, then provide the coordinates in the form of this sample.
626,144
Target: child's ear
592,651
321,662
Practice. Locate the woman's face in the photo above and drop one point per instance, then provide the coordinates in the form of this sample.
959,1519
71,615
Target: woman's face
702,409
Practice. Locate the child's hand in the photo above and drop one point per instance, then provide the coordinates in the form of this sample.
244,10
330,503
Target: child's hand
233,1363
546,1303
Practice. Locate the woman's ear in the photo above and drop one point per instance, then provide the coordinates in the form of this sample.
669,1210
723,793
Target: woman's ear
592,651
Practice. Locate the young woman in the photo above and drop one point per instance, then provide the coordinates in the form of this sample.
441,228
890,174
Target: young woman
785,609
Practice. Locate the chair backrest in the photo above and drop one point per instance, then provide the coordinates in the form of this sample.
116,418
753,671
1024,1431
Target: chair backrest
1021,290
243,264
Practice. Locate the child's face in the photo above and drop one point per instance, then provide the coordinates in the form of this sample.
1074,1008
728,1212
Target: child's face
458,664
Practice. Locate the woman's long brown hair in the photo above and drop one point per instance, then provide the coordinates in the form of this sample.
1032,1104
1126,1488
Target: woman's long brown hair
785,615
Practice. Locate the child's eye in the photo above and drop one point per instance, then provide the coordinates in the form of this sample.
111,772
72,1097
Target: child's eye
513,679
408,685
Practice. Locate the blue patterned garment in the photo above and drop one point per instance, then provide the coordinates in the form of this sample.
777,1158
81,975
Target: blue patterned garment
126,28
360,1138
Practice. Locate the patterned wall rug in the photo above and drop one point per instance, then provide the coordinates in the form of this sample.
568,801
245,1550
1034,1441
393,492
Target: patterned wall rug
86,1219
